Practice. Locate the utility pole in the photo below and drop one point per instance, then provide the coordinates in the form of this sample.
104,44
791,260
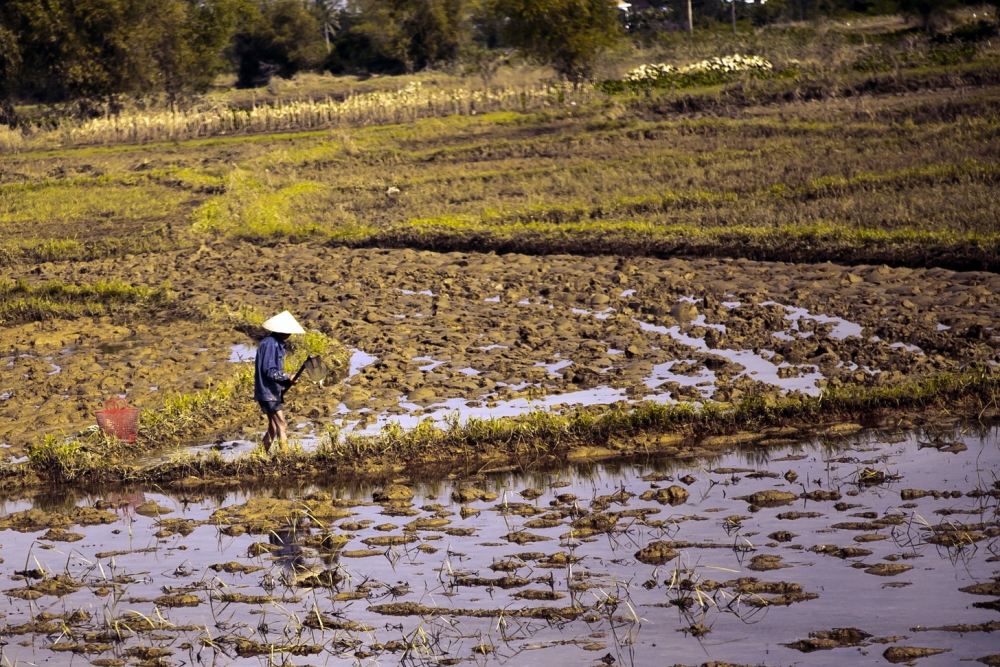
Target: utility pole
733,3
690,20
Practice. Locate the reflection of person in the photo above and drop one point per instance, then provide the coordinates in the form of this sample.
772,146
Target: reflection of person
270,379
289,555
127,501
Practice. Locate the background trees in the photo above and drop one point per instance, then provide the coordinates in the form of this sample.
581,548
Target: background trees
91,55
568,34
276,37
94,51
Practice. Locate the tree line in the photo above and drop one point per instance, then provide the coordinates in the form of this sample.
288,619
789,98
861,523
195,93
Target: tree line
93,53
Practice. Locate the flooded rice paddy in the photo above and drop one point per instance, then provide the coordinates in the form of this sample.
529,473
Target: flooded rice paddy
875,548
492,335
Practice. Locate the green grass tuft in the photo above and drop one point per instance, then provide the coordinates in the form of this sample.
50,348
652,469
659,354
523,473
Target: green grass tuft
22,302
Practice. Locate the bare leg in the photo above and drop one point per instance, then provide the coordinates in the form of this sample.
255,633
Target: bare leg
277,429
272,431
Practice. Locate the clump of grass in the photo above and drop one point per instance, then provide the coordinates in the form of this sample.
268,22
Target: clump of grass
65,459
22,302
61,250
196,412
254,210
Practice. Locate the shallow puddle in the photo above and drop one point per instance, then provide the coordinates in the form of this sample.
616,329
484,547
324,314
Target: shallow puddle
650,562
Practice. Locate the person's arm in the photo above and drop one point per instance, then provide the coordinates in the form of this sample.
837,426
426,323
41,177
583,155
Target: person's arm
272,369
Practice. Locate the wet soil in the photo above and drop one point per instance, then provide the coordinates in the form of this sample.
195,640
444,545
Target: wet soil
563,567
487,335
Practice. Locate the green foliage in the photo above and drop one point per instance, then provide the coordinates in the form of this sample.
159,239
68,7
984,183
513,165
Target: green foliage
567,34
683,80
277,37
253,210
415,33
95,51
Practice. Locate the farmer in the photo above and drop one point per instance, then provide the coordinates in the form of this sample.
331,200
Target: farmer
270,380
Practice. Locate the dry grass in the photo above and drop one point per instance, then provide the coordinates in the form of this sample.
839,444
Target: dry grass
835,163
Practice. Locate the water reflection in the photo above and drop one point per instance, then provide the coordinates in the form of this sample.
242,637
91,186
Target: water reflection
650,561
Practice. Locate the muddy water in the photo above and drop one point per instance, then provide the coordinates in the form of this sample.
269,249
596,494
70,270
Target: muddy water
486,335
716,525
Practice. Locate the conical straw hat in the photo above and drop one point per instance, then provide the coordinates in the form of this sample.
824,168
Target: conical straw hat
284,323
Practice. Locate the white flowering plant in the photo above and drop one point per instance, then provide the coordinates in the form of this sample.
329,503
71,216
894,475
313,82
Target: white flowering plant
708,72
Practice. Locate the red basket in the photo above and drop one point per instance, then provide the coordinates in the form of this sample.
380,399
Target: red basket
118,419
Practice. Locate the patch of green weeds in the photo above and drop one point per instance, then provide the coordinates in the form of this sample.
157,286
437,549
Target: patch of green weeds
198,411
22,302
252,209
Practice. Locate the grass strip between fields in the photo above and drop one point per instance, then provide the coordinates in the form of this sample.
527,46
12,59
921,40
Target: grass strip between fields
21,302
961,251
99,459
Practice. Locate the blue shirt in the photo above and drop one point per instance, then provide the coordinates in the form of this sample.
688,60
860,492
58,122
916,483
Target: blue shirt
269,378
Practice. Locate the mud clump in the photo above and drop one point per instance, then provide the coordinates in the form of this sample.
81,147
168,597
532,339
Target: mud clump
148,652
992,588
29,521
656,553
178,600
234,568
262,515
317,621
989,626
57,586
471,494
151,508
841,552
888,569
917,494
769,498
673,495
782,536
506,582
260,549
766,562
393,492
821,495
61,535
531,594
170,527
792,516
900,654
248,648
538,613
522,537
829,639
599,523
389,540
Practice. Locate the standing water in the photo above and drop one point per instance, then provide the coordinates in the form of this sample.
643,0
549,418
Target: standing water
827,552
